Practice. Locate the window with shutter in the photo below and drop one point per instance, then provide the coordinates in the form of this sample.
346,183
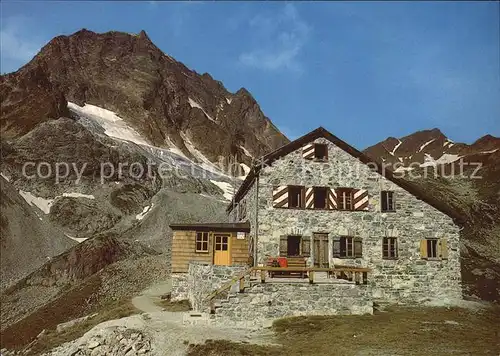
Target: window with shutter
296,196
389,248
347,247
430,248
320,151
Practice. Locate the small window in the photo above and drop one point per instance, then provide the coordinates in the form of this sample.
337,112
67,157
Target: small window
294,245
432,246
295,197
320,151
320,194
346,246
202,242
387,200
344,197
390,248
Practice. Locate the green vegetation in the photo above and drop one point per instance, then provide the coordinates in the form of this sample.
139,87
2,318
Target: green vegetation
398,331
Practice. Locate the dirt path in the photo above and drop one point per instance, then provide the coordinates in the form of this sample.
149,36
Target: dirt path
147,300
168,333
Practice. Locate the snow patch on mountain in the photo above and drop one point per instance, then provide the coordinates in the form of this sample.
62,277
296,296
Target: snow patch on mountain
41,203
77,239
227,188
5,177
113,125
425,144
78,195
204,162
446,158
142,214
396,147
491,151
194,104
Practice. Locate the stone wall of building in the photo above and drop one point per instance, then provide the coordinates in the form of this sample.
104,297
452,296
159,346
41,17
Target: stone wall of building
269,301
201,280
408,278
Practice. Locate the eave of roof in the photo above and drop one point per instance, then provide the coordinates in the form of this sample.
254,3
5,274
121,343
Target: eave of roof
217,227
322,132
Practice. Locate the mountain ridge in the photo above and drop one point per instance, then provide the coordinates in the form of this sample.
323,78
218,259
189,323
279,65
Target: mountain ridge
158,96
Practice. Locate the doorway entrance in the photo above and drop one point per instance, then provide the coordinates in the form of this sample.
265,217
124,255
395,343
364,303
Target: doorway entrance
222,251
320,241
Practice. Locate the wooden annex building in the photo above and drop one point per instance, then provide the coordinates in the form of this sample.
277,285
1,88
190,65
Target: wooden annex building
217,243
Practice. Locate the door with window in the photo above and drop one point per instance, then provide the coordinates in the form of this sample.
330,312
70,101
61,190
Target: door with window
222,249
320,250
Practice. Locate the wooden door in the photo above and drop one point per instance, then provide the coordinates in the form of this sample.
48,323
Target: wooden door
320,250
222,249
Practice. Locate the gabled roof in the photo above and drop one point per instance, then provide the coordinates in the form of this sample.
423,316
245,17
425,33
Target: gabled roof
266,160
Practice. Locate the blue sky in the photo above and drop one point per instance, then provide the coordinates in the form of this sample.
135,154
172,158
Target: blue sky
365,71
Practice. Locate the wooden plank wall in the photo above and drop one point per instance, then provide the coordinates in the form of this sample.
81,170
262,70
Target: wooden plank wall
184,250
239,250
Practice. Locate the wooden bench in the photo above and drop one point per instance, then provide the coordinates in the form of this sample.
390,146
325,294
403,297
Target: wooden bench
292,262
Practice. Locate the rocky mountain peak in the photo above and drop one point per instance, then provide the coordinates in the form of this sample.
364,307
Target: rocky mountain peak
167,104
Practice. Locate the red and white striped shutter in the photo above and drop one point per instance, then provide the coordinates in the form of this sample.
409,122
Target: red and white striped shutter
310,198
332,199
308,151
280,196
360,197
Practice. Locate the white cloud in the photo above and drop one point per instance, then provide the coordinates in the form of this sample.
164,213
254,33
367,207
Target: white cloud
280,39
15,43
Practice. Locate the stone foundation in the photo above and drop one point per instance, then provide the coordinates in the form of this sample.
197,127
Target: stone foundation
262,303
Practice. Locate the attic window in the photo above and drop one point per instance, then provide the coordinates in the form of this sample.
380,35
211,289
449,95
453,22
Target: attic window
320,151
387,201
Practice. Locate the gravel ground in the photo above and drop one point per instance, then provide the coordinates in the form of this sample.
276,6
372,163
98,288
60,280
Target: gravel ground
163,335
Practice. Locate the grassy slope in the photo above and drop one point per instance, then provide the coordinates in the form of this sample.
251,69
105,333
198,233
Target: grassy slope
399,331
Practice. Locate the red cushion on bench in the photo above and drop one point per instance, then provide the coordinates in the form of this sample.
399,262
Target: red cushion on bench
283,261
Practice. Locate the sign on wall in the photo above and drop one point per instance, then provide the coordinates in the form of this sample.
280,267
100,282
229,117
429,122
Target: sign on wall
240,235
